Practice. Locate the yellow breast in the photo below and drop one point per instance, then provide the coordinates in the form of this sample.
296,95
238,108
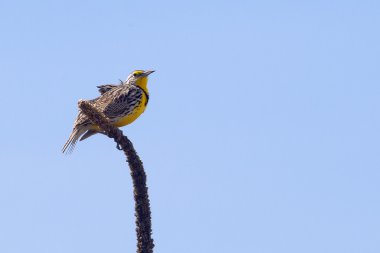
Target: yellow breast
134,115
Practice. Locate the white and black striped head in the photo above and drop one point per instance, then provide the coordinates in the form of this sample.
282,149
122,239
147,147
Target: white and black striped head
137,75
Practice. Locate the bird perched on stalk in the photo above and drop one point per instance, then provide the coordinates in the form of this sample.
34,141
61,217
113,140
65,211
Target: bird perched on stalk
121,104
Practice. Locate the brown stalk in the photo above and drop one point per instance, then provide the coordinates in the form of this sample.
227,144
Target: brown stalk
142,207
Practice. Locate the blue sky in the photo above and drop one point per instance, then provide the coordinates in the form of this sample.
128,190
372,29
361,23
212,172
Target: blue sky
261,134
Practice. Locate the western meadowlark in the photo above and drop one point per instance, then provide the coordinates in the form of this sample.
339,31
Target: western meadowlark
121,104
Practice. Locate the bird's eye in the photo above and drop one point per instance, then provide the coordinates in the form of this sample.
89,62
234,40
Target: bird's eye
134,74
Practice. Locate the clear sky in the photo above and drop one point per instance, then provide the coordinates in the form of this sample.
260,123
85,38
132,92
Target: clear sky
262,133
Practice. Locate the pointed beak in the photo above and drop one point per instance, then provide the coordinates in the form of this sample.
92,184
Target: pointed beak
148,72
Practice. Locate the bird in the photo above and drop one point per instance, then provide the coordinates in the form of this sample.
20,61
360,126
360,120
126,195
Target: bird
121,104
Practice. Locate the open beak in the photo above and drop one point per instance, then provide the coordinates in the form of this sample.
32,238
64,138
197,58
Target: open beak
148,72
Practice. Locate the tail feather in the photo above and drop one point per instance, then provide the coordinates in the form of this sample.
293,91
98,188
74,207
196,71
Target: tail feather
74,136
89,133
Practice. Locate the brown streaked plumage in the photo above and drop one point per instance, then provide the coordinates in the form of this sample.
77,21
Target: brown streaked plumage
121,104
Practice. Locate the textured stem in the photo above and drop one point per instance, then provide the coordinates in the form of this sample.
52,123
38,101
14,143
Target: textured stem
142,207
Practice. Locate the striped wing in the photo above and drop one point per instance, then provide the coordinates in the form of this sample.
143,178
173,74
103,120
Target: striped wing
124,103
105,87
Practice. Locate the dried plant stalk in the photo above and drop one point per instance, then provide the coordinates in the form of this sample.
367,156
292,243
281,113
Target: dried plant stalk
142,207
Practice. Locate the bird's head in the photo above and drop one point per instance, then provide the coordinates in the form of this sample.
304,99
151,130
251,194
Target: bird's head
139,77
